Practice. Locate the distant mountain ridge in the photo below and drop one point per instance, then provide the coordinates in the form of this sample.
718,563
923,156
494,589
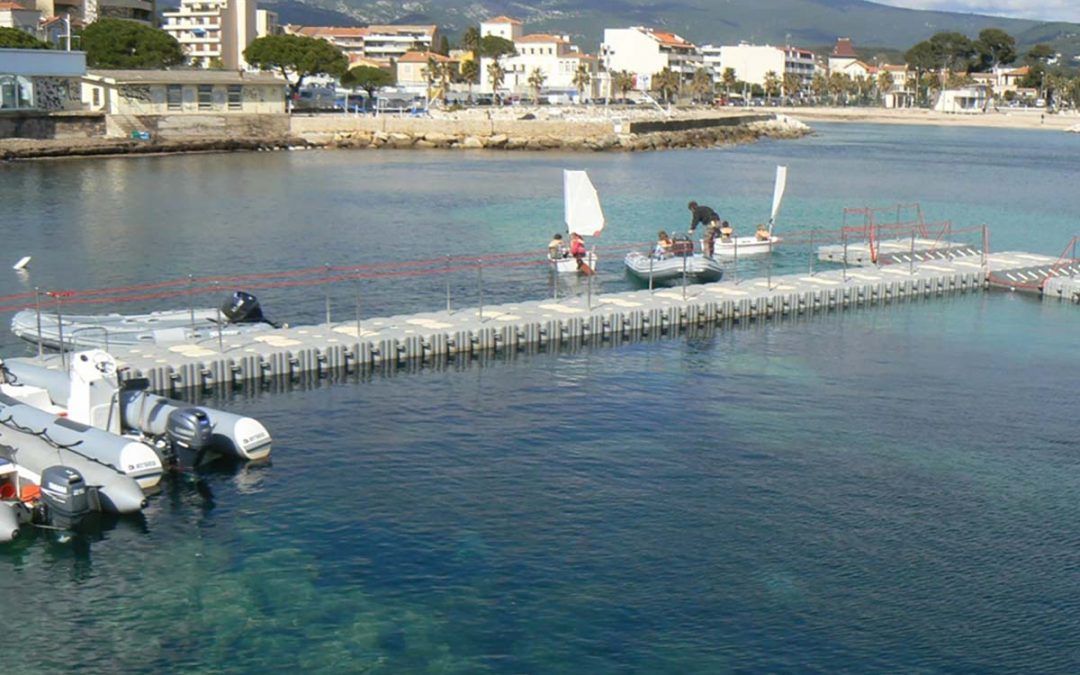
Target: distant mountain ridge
806,23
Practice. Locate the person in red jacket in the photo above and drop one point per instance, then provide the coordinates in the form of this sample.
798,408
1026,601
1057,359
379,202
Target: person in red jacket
578,252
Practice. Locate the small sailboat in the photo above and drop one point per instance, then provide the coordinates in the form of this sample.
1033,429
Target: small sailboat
583,216
752,244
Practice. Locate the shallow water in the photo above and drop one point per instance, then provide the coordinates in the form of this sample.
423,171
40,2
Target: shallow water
882,489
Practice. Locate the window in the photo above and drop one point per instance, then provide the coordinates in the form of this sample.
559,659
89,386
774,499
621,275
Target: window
97,97
174,97
236,101
206,96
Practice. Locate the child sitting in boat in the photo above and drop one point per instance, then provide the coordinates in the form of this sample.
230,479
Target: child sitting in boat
663,245
556,248
726,231
762,233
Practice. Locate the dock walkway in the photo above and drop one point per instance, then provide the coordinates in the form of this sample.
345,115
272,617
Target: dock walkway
349,345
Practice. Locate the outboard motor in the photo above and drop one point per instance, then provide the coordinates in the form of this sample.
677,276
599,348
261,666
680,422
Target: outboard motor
242,308
188,432
65,497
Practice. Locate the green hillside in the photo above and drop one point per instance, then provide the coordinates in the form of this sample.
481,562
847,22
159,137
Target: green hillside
813,24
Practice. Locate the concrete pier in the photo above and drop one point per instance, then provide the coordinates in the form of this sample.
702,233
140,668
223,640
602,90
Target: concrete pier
348,346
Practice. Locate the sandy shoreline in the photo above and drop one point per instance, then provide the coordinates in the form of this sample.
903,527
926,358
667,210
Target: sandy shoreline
1004,119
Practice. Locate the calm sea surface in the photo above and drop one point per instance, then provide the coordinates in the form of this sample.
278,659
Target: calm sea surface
889,489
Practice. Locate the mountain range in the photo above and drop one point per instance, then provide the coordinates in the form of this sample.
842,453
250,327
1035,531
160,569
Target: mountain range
813,24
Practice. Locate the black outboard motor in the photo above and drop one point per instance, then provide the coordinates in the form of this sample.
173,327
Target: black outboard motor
242,308
65,497
188,431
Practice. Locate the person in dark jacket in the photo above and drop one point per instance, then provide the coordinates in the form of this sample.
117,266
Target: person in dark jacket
701,215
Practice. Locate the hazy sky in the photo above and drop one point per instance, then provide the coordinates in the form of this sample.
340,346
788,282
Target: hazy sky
1046,10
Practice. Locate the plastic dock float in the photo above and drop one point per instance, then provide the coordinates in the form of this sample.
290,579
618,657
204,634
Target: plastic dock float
351,346
895,251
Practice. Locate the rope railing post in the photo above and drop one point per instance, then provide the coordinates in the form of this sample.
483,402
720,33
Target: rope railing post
327,265
651,285
37,311
220,341
985,245
191,299
588,302
60,333
480,285
358,315
684,258
735,264
768,281
811,252
447,272
843,235
911,260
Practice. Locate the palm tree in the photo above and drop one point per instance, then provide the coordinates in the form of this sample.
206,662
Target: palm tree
885,83
701,85
582,80
819,85
431,74
623,80
729,80
496,75
792,85
771,84
470,71
536,83
666,82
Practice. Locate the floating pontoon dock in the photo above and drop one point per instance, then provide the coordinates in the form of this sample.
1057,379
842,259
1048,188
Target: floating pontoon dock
350,345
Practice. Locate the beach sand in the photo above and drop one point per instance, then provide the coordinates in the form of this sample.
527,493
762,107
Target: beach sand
1005,118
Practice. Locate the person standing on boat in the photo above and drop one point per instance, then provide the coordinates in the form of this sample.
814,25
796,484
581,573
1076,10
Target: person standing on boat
701,215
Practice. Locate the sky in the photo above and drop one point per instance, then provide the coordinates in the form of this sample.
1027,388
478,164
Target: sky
1044,10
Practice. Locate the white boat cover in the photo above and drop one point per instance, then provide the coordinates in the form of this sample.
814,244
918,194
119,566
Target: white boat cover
581,204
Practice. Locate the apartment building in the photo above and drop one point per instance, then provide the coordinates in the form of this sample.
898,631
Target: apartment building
554,56
381,43
644,52
213,32
19,17
751,63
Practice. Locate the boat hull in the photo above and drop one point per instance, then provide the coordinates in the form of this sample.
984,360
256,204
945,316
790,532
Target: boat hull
743,246
698,268
569,265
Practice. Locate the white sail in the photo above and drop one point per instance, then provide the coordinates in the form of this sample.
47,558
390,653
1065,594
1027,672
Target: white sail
581,204
778,194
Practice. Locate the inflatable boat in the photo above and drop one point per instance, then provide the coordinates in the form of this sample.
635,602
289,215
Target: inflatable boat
241,314
90,394
671,269
59,499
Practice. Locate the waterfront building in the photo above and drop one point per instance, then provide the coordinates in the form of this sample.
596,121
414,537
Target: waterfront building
85,12
40,79
972,99
381,43
842,55
554,56
19,17
751,63
643,52
901,92
411,70
266,23
183,92
213,33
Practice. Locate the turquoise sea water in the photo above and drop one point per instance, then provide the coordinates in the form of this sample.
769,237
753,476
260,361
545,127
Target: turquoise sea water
889,489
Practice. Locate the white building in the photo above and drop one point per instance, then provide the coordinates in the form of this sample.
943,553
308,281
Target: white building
40,79
751,63
382,43
971,100
643,52
553,56
266,23
842,55
19,17
213,31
